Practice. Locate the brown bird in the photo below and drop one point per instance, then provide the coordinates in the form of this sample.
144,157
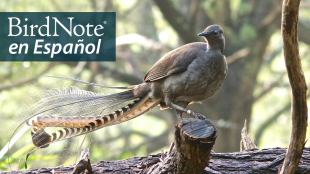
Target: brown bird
190,73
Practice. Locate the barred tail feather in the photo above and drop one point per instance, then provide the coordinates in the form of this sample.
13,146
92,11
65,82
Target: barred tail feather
74,112
72,127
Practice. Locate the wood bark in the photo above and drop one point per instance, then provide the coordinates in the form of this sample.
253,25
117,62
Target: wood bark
83,164
290,10
194,141
265,161
246,140
191,150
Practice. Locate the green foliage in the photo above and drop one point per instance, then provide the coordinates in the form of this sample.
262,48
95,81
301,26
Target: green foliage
234,5
247,33
244,8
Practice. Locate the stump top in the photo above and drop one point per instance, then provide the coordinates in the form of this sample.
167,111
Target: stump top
196,128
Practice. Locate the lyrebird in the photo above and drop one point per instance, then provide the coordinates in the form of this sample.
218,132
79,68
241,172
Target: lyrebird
190,73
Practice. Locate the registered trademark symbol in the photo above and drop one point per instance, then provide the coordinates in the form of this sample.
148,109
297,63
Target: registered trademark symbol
105,22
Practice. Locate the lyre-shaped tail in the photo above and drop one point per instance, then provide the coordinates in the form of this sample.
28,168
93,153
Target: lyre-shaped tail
74,125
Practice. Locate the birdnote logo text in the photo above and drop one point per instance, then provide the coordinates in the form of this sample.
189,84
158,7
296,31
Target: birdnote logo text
55,48
47,36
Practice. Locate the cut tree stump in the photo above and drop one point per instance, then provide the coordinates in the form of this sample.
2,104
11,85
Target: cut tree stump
191,150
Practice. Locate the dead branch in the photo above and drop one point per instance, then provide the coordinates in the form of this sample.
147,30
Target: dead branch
181,26
246,140
83,164
290,10
241,53
265,161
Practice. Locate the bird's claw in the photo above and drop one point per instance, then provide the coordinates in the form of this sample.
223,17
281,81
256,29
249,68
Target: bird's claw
200,116
196,115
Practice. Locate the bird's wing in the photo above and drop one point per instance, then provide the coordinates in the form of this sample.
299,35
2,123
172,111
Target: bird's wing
176,61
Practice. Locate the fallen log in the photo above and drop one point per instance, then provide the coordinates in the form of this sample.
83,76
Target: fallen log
263,161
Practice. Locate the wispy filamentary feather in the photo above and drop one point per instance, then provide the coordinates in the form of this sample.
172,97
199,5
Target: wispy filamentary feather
59,114
71,101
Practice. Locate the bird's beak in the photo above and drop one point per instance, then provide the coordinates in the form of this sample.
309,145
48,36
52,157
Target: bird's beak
203,33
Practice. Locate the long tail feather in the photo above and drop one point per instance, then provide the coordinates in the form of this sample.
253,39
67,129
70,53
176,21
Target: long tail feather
59,114
76,112
83,82
73,127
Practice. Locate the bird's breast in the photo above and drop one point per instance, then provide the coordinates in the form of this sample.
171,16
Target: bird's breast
199,82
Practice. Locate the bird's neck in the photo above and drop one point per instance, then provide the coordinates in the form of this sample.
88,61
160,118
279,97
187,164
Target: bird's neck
214,45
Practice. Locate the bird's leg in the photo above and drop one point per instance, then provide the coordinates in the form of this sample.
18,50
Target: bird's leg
189,112
180,108
179,115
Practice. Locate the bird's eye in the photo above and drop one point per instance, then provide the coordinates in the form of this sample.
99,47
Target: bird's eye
215,33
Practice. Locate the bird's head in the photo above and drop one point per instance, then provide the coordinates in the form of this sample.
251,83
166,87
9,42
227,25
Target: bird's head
214,35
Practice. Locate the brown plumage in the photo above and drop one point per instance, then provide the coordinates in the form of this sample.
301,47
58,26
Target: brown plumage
190,73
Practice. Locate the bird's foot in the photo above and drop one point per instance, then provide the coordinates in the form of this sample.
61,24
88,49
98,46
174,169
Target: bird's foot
196,115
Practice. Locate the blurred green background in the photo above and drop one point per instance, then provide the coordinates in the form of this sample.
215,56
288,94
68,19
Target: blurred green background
256,88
